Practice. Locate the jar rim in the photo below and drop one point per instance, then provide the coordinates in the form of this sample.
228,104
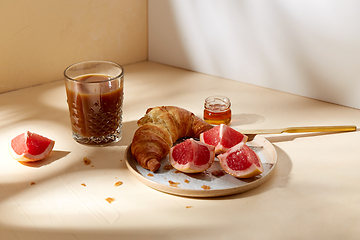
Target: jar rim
217,99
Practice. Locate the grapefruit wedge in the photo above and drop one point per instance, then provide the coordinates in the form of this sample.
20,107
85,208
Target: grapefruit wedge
30,147
241,161
222,137
192,156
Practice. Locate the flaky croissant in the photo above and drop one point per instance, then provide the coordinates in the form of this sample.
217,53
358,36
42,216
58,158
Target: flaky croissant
158,129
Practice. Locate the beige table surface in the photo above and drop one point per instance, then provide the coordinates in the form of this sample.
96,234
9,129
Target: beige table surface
314,192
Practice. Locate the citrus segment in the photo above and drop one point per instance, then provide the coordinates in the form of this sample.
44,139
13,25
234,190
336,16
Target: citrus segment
211,136
183,152
30,147
222,137
192,156
241,161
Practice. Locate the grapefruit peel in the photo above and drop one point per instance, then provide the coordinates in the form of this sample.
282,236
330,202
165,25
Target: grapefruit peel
192,156
229,145
222,137
30,147
241,161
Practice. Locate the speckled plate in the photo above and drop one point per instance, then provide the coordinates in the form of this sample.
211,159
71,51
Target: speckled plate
214,182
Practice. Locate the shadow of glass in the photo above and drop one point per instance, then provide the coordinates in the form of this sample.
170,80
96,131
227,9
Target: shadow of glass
128,130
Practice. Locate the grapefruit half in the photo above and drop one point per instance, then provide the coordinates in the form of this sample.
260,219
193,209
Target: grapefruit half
222,137
30,147
241,161
192,156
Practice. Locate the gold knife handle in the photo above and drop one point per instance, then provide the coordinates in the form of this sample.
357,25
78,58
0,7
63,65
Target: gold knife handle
343,128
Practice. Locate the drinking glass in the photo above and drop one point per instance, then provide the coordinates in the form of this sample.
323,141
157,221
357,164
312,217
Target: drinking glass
95,93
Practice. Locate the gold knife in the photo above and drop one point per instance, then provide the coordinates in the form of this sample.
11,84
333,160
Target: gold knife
251,133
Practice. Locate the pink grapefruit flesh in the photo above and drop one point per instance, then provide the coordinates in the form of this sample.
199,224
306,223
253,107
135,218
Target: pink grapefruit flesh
192,156
30,147
222,137
241,161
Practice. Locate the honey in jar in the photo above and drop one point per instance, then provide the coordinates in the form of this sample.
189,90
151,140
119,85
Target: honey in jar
217,110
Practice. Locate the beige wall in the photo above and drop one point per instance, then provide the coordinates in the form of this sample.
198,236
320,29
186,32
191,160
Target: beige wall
40,38
310,48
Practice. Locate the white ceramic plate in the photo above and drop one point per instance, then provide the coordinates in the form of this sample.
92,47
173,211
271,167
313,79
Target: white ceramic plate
214,182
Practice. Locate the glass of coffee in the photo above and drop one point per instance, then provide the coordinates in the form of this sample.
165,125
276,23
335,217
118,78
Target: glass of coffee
95,93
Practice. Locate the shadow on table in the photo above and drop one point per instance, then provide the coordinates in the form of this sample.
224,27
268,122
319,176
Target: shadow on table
246,118
128,131
113,161
54,156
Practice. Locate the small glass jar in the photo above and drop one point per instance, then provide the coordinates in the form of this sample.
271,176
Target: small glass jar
217,110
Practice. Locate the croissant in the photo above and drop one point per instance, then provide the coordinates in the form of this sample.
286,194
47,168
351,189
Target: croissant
159,129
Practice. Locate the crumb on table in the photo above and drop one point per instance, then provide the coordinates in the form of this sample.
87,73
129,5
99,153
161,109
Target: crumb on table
87,161
118,183
110,200
32,183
